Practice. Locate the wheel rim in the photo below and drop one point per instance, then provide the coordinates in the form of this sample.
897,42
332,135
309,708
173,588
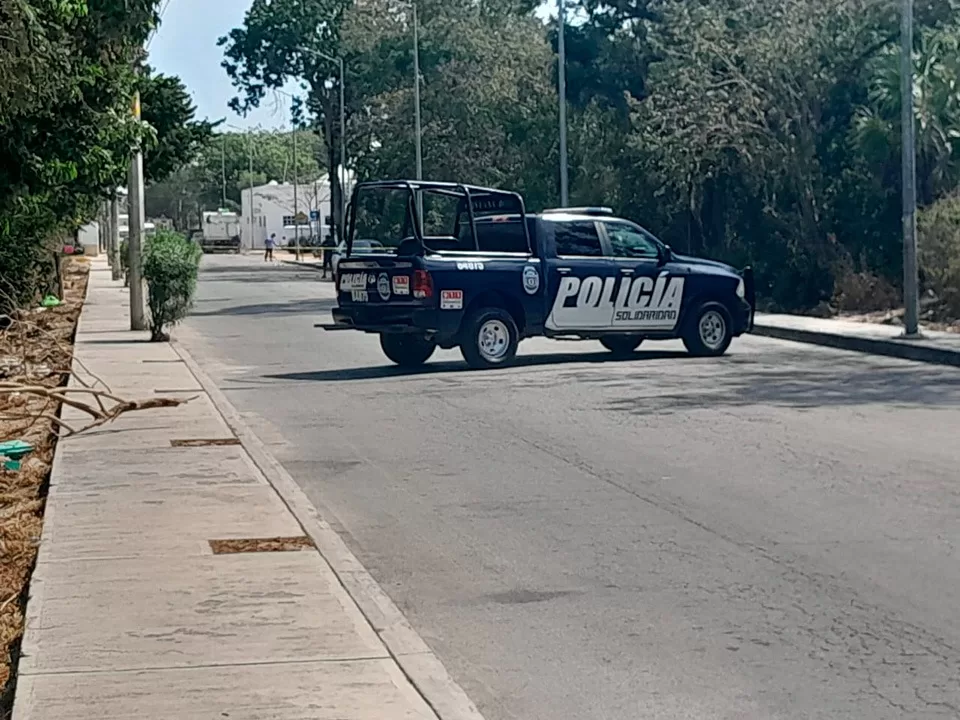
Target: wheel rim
713,329
493,340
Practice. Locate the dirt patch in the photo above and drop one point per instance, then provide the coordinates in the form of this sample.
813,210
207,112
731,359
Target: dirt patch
234,547
36,348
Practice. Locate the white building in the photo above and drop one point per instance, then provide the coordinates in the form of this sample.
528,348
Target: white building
273,211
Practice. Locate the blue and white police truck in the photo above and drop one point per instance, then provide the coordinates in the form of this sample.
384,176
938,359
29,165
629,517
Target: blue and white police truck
468,267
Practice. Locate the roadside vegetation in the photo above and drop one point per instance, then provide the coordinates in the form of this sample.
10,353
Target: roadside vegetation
170,267
69,73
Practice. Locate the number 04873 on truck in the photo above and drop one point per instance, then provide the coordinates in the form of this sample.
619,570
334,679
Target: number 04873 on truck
468,267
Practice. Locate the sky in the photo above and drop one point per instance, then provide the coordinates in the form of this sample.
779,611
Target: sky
186,46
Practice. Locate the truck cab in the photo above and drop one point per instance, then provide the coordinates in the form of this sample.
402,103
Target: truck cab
486,274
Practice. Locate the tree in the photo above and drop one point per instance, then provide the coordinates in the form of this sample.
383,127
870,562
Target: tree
278,41
178,138
740,137
222,164
65,124
488,103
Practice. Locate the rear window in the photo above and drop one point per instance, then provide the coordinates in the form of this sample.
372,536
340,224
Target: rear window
381,220
497,235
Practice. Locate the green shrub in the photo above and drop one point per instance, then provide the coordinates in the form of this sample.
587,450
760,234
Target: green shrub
170,266
939,227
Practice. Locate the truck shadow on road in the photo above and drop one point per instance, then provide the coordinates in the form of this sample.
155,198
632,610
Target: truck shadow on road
804,381
267,309
445,367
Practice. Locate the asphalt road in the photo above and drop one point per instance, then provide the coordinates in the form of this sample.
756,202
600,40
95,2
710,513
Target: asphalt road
768,535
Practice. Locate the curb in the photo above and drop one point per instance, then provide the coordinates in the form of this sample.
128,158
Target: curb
414,657
312,266
904,349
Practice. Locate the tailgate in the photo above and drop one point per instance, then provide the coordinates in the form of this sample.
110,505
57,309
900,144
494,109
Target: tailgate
374,281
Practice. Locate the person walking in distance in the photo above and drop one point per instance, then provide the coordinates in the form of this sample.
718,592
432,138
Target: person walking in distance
269,244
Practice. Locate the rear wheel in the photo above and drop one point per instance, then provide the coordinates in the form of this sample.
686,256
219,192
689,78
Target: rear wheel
708,332
490,338
407,350
621,344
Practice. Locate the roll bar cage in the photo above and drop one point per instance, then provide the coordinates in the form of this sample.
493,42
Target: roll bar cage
477,201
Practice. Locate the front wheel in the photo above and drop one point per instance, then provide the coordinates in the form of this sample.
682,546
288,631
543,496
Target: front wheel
490,338
407,350
621,344
708,333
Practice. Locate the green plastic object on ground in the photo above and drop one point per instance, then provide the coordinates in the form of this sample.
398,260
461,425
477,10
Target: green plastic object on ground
51,301
14,451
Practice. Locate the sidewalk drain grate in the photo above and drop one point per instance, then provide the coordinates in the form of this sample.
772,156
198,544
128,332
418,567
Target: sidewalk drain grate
215,442
263,545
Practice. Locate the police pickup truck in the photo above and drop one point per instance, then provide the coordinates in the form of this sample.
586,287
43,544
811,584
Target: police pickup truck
468,267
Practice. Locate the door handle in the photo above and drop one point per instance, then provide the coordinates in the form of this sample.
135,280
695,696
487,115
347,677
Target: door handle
626,271
563,271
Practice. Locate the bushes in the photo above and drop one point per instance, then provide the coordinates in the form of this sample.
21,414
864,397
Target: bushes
939,227
170,265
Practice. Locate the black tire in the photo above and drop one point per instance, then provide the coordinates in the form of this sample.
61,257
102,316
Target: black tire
621,344
489,338
407,350
708,331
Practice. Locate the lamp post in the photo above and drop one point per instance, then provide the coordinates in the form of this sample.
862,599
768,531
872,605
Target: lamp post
343,134
418,129
562,92
911,292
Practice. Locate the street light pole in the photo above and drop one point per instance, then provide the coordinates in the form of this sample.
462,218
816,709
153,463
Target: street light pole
341,173
223,169
250,153
562,92
296,199
343,154
911,292
418,129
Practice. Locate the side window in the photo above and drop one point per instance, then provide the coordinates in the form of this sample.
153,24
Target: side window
627,241
577,239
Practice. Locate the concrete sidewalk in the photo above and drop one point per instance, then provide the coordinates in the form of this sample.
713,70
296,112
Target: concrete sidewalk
132,615
940,348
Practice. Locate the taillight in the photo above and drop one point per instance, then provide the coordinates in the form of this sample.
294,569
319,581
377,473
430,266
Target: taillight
422,284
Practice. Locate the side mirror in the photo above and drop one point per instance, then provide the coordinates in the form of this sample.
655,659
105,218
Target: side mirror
666,254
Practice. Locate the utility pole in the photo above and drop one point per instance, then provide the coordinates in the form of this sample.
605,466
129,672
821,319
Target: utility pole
562,91
911,291
296,201
250,153
223,168
135,213
341,171
113,245
418,129
343,153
